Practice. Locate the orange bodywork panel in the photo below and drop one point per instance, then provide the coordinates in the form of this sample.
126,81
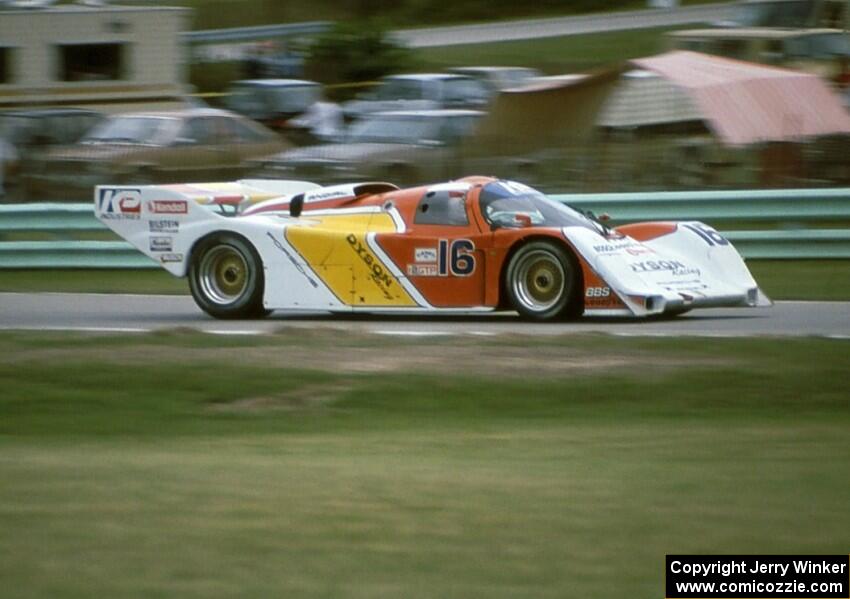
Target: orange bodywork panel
647,231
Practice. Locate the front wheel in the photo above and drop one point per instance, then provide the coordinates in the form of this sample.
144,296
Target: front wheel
226,277
542,282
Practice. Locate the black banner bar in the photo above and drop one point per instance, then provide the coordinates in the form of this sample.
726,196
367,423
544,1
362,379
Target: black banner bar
758,576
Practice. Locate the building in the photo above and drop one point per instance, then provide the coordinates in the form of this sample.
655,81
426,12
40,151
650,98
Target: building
107,57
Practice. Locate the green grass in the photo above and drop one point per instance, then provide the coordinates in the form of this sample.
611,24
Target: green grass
781,279
821,280
555,55
92,281
145,467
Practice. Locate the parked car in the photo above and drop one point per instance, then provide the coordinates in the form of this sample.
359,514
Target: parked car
420,92
403,146
152,147
272,102
26,133
499,78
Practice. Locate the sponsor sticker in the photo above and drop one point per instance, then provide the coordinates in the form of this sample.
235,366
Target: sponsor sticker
673,266
425,255
164,226
168,207
377,271
292,259
325,195
615,247
423,270
598,292
120,204
162,244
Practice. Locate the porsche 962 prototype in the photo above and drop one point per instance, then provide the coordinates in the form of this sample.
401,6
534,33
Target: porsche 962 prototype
471,245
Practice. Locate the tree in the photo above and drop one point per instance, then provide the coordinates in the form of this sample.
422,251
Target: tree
354,52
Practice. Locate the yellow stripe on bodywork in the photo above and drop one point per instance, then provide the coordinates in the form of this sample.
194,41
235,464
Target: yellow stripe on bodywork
335,247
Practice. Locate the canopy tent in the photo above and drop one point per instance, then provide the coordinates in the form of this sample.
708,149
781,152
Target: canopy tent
744,103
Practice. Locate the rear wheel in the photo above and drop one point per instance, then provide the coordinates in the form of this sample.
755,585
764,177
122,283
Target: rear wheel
541,282
226,277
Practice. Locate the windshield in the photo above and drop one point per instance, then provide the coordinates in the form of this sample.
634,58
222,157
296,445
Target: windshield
400,89
294,98
464,90
502,201
132,130
263,99
516,77
13,128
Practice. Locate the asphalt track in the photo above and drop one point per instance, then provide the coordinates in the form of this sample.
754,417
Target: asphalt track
560,26
142,313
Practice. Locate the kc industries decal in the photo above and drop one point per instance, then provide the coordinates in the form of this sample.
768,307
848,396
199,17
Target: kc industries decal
120,204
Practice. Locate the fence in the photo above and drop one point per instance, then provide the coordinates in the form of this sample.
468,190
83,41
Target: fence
790,224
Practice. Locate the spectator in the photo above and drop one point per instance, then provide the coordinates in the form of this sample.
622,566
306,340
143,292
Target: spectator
323,119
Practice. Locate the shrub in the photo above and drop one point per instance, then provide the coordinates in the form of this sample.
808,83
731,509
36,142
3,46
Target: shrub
359,51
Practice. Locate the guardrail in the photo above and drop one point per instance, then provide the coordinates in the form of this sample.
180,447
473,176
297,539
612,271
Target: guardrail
788,206
790,211
261,32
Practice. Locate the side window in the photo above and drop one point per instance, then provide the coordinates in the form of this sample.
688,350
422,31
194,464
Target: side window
5,65
442,208
240,132
197,131
453,130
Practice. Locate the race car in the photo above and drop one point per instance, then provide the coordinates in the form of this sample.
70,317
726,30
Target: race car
472,245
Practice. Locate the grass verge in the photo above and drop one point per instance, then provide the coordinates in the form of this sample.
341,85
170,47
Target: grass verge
556,55
816,280
185,465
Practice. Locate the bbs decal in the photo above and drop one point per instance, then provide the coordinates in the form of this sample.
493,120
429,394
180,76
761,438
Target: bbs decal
598,292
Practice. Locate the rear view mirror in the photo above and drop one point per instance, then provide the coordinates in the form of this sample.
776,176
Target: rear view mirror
296,205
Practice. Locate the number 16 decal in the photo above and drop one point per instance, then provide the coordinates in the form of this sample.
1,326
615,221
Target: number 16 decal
709,235
456,257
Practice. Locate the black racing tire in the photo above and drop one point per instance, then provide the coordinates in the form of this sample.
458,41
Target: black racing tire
226,277
543,282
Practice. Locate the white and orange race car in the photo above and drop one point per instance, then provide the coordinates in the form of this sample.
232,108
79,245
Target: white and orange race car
471,245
